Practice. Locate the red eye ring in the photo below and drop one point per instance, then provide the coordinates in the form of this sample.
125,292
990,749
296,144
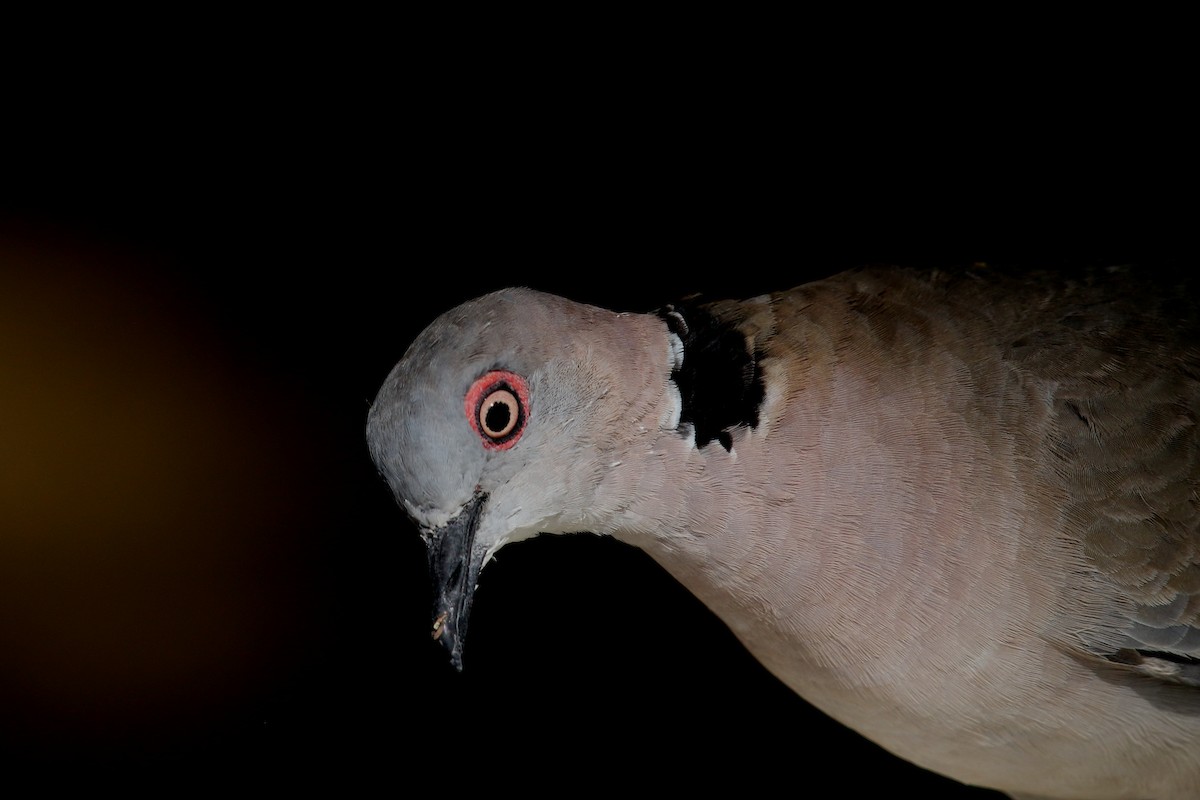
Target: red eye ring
497,406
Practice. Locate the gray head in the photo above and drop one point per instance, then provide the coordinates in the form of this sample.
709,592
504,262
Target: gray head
492,428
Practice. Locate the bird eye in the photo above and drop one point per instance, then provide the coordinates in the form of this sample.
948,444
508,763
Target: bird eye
498,413
497,406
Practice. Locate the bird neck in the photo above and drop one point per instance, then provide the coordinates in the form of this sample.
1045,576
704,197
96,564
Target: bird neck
875,528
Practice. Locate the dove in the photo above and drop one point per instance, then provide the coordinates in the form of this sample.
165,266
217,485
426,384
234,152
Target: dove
956,510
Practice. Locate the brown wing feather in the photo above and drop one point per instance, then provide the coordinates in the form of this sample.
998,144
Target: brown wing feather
1121,352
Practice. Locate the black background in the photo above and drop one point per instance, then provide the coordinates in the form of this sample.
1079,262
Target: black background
215,256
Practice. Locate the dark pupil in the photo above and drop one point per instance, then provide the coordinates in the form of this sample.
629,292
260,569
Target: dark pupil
496,417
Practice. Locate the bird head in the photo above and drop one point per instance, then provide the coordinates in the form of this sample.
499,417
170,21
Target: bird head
492,428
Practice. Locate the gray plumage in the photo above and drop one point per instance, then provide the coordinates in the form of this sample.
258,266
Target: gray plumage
957,511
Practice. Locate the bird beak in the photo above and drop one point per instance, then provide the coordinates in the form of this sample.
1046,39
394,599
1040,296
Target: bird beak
454,564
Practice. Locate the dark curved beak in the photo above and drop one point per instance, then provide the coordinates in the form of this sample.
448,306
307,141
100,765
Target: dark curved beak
454,565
